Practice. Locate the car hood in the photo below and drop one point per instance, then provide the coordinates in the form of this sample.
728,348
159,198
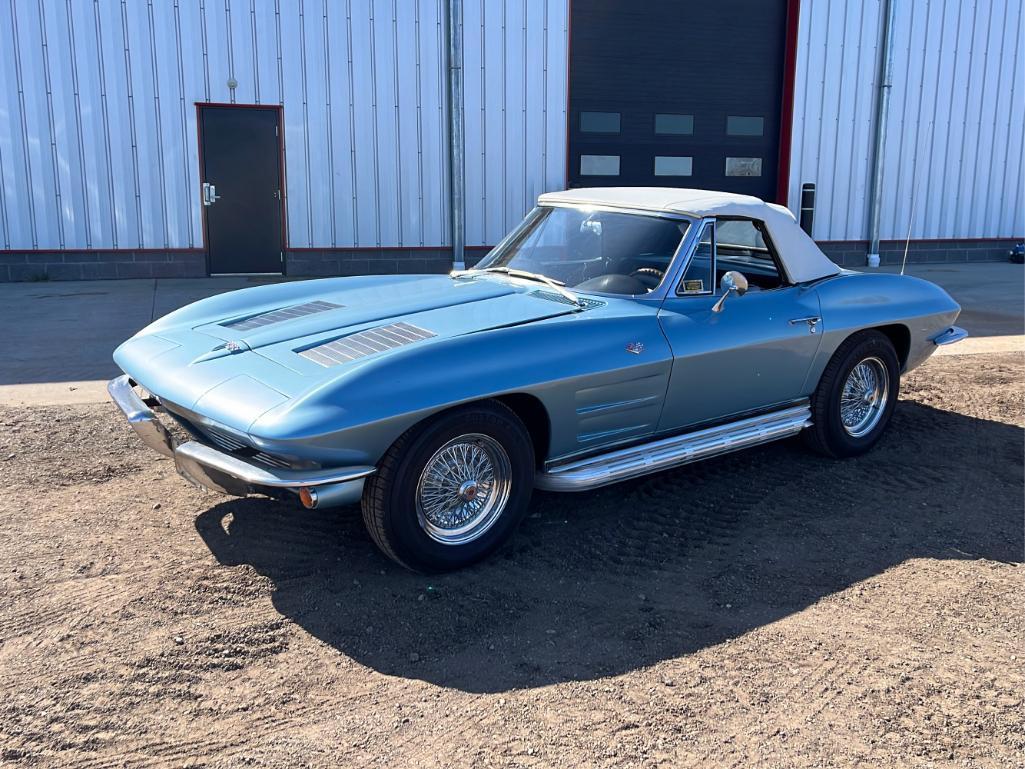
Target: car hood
233,357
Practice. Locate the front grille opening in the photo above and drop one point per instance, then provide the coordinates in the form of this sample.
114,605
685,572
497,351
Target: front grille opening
232,444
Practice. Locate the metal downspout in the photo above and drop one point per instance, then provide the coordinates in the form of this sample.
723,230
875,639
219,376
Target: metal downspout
882,104
456,141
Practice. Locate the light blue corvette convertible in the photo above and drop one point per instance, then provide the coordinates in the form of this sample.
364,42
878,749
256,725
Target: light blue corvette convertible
614,333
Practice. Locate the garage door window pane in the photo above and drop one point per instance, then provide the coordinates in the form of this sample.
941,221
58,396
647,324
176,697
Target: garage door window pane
599,122
673,166
674,124
743,166
599,165
738,125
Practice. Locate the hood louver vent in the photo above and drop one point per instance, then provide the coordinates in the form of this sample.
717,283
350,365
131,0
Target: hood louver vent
277,316
364,343
551,296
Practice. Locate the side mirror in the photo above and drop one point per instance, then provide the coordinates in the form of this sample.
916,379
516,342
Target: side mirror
732,282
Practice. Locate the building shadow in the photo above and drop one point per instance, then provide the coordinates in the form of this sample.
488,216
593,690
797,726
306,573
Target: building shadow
601,583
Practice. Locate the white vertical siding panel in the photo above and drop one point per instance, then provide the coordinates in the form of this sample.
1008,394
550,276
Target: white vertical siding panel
1015,212
556,96
533,104
296,139
515,171
975,95
389,184
193,78
996,85
475,117
364,111
38,166
218,50
148,127
120,127
66,122
433,121
177,165
318,120
241,52
19,227
954,126
263,38
343,190
911,34
494,122
515,67
407,121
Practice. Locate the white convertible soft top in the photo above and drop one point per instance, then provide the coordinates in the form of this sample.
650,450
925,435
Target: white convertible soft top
803,259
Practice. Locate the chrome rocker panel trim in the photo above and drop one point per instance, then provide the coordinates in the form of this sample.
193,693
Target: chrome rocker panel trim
952,335
666,453
216,470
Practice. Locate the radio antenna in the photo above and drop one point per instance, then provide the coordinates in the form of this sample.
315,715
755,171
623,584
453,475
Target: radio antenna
911,221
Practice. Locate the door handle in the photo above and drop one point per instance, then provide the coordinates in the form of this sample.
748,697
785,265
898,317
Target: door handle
812,321
210,195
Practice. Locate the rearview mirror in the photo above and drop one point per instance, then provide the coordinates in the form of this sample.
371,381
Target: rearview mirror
732,282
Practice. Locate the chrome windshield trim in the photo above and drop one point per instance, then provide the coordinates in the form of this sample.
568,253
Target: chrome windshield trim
657,294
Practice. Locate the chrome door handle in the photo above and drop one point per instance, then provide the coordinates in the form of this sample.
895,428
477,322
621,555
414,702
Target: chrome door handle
812,321
210,195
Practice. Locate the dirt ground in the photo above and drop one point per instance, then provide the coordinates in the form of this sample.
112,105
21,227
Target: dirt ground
766,609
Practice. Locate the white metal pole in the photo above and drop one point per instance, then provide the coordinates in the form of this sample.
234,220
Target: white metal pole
456,141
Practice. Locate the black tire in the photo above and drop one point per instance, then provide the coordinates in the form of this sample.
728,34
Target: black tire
828,434
391,510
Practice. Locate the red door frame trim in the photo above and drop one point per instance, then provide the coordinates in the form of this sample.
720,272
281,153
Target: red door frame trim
282,204
786,117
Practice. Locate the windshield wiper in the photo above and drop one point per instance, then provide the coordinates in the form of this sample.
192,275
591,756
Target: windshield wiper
555,285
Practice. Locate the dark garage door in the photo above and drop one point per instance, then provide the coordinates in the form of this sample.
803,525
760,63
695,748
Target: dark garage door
676,94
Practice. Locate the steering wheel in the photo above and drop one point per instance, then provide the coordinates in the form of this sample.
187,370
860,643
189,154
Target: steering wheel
649,276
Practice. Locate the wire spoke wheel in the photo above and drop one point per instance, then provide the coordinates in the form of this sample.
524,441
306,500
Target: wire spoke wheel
463,489
864,397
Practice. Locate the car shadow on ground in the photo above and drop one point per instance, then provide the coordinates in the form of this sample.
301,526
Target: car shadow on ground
605,582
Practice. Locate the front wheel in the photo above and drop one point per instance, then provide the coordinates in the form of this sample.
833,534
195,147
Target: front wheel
450,491
856,396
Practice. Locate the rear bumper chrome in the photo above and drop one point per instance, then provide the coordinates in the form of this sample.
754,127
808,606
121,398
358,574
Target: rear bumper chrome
950,336
220,471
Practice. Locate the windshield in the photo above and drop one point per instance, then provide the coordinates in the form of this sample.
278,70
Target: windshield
603,251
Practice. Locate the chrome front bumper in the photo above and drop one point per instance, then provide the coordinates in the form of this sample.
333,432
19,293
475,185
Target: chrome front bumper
217,470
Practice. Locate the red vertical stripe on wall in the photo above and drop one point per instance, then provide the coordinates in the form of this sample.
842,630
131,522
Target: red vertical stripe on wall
786,118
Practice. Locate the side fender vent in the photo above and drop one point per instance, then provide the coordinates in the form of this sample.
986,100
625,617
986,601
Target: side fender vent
279,316
364,343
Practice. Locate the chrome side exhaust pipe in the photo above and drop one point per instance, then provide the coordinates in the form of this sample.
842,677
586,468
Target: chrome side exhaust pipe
331,494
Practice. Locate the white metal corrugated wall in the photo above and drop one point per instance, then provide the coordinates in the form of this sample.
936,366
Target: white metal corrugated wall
515,80
955,126
98,140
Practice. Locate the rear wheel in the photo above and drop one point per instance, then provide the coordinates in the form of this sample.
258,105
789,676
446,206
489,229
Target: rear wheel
450,491
856,396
